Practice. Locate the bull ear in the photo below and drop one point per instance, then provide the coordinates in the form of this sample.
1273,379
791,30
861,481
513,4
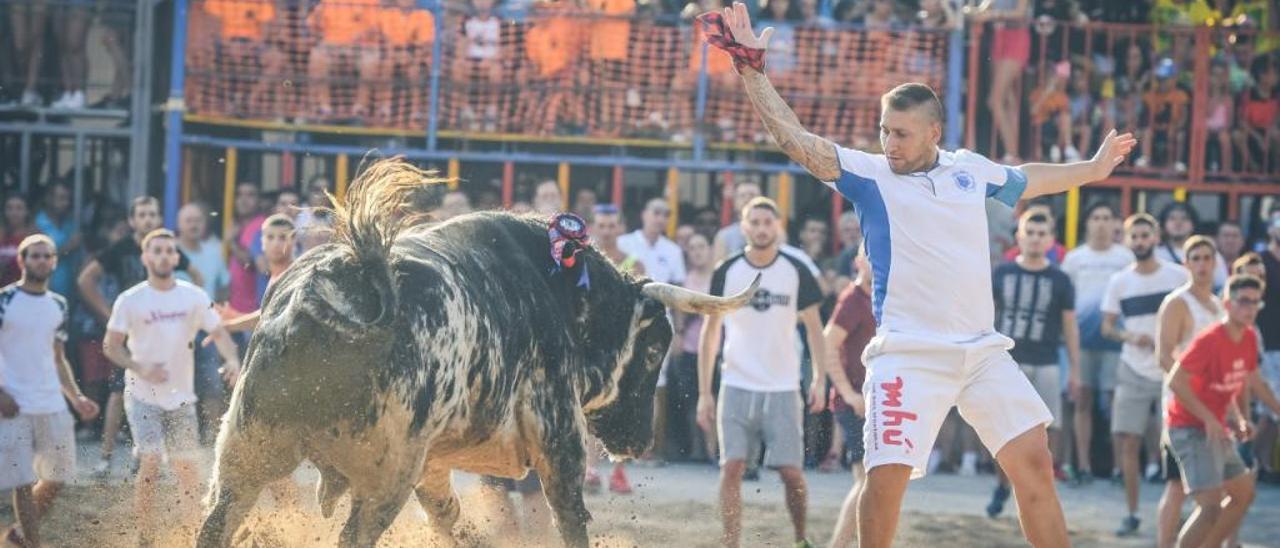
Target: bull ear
349,298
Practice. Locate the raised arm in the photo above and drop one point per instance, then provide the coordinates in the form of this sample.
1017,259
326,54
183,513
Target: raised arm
814,153
1043,179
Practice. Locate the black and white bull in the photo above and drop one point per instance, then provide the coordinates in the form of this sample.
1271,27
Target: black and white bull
390,357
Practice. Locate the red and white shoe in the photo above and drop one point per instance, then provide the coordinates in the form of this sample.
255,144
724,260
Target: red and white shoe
618,482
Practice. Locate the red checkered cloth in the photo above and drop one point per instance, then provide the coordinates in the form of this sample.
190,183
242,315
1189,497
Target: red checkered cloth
719,35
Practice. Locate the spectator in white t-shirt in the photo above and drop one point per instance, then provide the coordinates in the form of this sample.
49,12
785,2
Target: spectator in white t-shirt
759,398
37,435
662,259
160,318
1090,267
1134,295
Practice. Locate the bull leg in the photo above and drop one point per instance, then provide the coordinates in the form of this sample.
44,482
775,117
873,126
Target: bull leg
435,494
371,516
331,487
562,471
248,459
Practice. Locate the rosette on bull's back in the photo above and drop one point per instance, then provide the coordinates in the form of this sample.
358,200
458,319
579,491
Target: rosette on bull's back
403,350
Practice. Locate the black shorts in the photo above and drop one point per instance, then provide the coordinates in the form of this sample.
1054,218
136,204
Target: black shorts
851,424
116,385
1169,468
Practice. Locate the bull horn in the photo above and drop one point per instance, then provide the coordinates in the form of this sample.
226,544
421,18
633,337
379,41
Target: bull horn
686,300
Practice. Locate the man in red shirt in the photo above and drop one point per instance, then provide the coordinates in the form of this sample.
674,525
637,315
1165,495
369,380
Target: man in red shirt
851,327
1219,364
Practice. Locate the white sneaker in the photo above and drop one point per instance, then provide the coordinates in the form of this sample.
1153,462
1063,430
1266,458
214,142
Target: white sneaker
1179,167
969,464
62,101
31,99
1072,154
1153,471
1142,162
102,468
1055,154
935,460
75,100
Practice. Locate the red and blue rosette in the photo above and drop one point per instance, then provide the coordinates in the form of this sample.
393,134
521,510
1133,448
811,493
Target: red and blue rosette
568,237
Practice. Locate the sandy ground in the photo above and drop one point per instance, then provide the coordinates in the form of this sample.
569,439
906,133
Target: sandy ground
672,506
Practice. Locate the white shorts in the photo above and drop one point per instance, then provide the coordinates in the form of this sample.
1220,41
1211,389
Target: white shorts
913,382
37,447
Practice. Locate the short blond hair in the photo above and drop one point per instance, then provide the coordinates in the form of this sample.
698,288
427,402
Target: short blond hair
761,202
156,235
35,239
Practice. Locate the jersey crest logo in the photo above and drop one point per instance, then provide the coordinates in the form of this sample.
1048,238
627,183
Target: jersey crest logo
964,181
763,300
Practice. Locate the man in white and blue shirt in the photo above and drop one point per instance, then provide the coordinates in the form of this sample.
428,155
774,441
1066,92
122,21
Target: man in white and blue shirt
924,223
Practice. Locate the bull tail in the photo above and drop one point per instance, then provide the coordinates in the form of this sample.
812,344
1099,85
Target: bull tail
381,203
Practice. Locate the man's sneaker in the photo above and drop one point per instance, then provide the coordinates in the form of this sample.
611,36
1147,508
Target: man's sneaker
75,100
804,543
1128,526
969,464
1153,473
618,482
998,498
751,474
1117,477
1078,478
31,99
1060,473
102,468
1071,154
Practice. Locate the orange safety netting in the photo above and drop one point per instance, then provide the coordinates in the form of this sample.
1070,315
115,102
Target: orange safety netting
596,70
1186,92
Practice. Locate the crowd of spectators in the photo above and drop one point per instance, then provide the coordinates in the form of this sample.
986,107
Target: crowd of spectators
232,269
36,32
1133,66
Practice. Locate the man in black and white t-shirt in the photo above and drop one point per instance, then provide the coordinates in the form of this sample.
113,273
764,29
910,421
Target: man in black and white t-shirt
37,435
760,377
160,318
1134,296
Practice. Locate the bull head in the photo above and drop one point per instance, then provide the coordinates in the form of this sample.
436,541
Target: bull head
693,302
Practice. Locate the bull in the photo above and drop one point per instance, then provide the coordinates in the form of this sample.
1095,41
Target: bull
403,350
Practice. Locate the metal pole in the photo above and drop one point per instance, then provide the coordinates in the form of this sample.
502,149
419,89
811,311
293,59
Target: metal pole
24,163
433,108
955,79
700,107
174,108
78,188
140,109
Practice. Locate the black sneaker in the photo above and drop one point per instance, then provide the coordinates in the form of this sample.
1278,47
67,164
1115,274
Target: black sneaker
1079,478
751,474
998,498
1128,526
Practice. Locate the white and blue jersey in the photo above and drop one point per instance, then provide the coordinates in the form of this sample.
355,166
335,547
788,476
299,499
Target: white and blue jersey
926,237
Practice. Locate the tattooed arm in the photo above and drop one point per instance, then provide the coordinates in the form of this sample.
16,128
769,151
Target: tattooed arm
814,153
